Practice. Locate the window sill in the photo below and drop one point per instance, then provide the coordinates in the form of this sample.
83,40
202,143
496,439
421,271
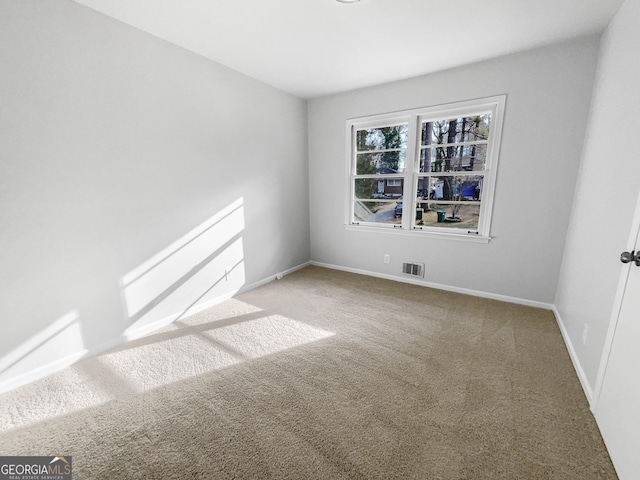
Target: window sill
462,237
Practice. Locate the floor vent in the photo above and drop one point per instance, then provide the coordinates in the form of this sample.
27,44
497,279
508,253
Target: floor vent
413,269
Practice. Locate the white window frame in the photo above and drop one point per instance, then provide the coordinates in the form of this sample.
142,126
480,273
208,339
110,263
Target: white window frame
414,118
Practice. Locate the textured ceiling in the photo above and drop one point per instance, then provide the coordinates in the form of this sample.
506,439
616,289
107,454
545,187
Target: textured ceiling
315,47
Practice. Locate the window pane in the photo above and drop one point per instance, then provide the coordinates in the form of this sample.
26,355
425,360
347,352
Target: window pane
455,130
377,212
447,215
383,187
457,188
381,162
456,158
382,138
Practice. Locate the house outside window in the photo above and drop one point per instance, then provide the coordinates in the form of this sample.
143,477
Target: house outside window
438,163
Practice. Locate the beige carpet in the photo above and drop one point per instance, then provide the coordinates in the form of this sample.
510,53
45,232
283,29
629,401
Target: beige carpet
323,375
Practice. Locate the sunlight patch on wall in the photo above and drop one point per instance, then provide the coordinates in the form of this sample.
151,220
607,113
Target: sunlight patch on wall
204,285
204,264
56,342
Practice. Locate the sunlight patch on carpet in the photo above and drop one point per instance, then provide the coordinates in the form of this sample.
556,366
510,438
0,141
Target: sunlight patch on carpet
181,351
64,392
266,335
160,363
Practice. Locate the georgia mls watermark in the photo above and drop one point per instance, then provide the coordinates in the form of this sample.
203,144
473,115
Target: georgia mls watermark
35,468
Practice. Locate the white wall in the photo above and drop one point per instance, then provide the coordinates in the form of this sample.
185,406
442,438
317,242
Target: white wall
606,193
114,146
548,94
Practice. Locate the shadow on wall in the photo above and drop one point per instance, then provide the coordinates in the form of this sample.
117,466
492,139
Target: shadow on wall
200,269
228,334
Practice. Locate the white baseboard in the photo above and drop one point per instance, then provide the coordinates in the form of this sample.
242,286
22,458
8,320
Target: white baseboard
41,371
277,276
448,288
52,367
588,391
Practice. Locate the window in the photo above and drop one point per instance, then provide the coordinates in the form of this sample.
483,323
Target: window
438,163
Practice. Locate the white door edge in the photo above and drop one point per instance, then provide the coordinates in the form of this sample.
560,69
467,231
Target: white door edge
615,311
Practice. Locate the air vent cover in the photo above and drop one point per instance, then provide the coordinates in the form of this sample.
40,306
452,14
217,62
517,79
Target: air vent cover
413,269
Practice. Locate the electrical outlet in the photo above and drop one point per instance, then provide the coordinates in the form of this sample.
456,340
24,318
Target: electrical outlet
585,334
387,258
